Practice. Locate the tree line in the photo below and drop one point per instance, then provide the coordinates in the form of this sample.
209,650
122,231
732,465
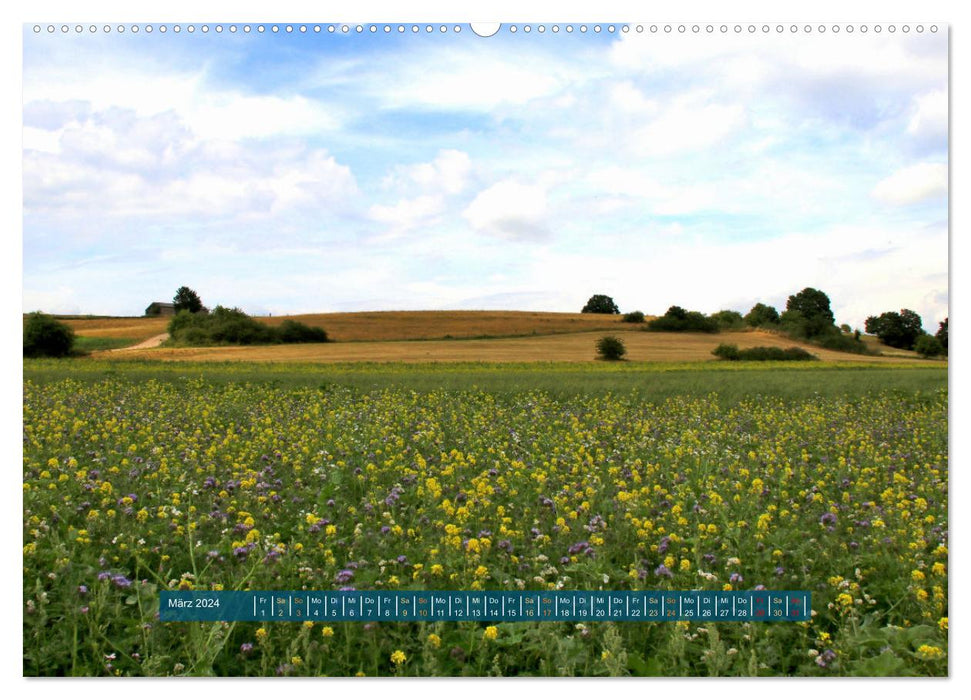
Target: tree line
808,316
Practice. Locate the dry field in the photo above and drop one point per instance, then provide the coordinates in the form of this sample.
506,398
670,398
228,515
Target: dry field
384,325
434,325
571,347
135,328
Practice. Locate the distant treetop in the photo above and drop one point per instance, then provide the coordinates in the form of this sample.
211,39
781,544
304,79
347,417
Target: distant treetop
186,299
600,304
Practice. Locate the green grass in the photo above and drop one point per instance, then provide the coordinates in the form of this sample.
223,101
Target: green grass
650,381
86,344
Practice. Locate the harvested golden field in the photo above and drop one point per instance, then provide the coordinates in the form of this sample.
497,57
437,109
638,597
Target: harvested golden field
571,347
434,325
383,325
135,328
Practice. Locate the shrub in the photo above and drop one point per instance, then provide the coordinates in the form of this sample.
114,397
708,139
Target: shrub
233,327
762,354
762,315
611,348
929,346
45,336
676,319
296,332
843,343
728,319
634,317
726,351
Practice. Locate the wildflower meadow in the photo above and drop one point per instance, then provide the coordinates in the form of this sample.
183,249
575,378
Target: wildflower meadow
135,485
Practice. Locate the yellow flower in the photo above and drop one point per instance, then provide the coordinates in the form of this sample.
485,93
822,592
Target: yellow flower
296,660
605,654
436,569
261,633
398,657
308,624
927,652
917,575
491,632
327,632
434,640
942,623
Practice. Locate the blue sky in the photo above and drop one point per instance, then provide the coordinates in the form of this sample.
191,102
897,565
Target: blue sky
298,173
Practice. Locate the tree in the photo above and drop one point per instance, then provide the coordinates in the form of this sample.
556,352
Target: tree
941,334
728,319
611,348
187,299
762,315
45,336
808,313
600,304
896,330
634,317
929,346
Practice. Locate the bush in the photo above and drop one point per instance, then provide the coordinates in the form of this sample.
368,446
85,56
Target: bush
843,343
928,346
233,327
728,319
634,317
296,332
762,315
726,351
611,348
677,320
45,336
762,354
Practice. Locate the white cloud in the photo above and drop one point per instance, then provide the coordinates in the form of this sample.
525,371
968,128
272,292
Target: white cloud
690,122
117,163
449,173
452,79
510,210
913,184
408,214
208,111
930,115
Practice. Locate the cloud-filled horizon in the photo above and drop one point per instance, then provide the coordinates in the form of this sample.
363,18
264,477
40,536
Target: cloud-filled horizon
298,173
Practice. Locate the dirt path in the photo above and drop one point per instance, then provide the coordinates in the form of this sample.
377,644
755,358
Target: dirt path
152,342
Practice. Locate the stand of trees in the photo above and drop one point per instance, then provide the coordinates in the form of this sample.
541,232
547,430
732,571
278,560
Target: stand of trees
233,327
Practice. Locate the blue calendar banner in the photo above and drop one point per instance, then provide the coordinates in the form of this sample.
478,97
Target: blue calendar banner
484,606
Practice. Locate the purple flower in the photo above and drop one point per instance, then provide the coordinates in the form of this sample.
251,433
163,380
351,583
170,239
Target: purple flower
735,577
120,581
82,590
779,571
344,575
385,529
402,559
245,648
828,519
663,546
662,570
826,658
564,560
104,576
